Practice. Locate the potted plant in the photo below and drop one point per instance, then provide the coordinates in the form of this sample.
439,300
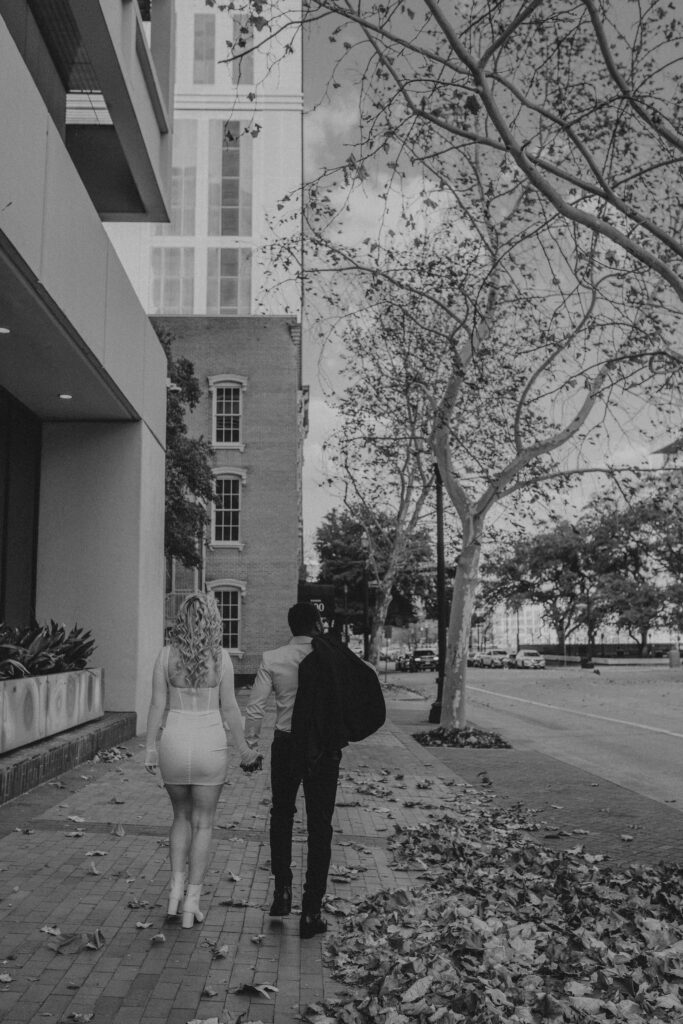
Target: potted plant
45,686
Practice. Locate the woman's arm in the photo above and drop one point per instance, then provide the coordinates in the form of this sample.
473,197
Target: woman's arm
156,713
230,712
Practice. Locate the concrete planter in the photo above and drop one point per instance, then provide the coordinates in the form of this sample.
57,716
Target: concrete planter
39,706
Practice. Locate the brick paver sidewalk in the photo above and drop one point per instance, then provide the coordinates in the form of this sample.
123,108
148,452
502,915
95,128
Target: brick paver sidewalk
87,854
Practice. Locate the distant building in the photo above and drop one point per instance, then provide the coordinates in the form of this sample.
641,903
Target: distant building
85,119
237,152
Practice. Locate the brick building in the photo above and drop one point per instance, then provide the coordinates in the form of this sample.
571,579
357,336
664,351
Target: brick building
254,413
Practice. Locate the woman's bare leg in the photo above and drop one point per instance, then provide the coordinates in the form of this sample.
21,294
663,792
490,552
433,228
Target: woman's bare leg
204,803
180,836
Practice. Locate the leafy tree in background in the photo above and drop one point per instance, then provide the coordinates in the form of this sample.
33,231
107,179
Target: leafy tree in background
605,567
345,560
384,470
189,480
546,569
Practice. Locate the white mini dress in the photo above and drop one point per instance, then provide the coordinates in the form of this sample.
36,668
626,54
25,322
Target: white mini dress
193,750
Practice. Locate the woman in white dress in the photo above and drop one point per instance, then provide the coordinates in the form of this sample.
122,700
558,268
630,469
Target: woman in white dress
193,685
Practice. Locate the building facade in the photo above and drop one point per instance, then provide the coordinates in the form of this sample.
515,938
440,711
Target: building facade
85,121
208,278
253,414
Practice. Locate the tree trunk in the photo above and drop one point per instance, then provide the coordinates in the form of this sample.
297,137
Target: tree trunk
382,603
453,707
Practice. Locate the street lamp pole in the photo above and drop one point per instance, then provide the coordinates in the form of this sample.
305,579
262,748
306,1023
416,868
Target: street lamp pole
435,710
365,544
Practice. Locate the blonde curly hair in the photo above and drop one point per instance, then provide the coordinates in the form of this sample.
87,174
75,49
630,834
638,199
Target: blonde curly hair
198,636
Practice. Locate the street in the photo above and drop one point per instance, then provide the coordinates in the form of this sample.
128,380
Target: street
624,724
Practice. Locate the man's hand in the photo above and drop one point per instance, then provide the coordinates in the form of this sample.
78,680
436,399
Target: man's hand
254,765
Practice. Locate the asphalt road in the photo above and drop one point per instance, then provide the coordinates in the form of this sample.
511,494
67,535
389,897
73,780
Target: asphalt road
623,724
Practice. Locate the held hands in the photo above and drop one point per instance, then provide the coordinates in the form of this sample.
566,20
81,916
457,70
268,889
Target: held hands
151,762
251,762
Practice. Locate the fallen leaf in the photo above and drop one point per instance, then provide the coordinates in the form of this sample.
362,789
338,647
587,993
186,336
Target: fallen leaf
96,853
250,990
158,938
77,818
418,989
217,952
6,978
143,924
93,940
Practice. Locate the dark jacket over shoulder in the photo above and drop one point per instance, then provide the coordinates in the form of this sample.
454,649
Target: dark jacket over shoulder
339,700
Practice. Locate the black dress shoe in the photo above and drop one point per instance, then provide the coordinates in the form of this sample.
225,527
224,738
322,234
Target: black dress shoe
282,902
311,924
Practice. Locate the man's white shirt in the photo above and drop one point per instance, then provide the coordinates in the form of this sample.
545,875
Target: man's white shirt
278,673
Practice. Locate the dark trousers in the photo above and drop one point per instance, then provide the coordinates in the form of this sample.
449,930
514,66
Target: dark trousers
320,790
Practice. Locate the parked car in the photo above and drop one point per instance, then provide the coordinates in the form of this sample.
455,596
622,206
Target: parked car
423,659
529,658
494,657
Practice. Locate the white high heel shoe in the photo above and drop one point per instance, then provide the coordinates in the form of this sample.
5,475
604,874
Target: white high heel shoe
191,911
175,896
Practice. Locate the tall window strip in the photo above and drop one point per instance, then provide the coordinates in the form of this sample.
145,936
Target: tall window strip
228,602
228,414
204,68
183,180
226,524
228,282
242,39
230,179
172,283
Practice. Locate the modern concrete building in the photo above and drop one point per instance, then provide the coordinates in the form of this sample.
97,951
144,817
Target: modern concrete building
207,276
85,121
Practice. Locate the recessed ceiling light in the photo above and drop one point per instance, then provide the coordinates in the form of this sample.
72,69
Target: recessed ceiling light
4,330
66,397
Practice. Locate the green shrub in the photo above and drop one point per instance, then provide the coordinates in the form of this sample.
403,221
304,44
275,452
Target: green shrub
39,650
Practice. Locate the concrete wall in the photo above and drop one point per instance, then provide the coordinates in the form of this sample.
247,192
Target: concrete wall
49,221
101,518
100,549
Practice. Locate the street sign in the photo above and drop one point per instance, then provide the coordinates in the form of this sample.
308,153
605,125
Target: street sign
321,595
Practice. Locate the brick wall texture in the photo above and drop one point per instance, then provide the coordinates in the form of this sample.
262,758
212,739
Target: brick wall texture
265,351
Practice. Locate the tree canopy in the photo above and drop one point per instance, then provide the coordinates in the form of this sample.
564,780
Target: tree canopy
353,551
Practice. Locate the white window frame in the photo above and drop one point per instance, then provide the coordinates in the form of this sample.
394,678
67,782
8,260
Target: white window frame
238,585
240,474
220,381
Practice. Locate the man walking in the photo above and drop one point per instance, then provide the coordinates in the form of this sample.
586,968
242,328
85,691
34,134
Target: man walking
290,766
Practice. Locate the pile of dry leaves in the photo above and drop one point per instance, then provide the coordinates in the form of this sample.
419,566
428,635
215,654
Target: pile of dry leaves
453,737
502,930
